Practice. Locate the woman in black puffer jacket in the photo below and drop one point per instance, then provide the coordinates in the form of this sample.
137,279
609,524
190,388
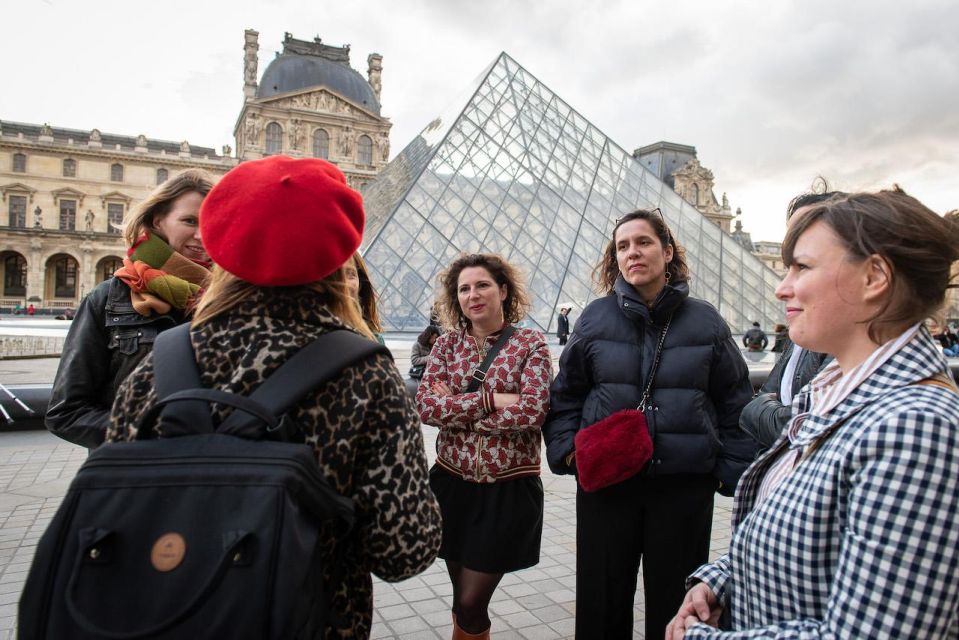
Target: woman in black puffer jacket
662,515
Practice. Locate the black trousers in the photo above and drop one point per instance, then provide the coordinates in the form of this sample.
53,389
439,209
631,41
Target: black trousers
665,522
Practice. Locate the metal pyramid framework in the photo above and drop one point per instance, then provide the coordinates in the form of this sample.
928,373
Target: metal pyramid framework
518,172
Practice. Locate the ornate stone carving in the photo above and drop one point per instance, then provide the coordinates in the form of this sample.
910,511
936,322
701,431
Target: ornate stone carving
375,73
250,48
383,145
46,131
95,135
346,142
184,147
88,219
252,129
141,140
226,150
295,134
38,218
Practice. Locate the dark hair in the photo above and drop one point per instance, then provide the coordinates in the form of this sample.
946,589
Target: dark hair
755,324
430,331
607,270
367,295
820,193
918,246
515,305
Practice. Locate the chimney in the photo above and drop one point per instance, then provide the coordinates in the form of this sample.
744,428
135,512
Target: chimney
251,46
375,72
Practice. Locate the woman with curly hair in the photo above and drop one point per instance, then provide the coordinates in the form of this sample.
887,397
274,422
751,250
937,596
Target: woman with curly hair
486,476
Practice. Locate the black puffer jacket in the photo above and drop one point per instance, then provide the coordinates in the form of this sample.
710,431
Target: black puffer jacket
765,417
700,388
106,341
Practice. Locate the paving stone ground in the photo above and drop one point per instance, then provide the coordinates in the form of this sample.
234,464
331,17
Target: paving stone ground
536,603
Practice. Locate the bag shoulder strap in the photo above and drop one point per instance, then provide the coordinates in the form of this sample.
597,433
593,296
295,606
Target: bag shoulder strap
647,392
174,370
313,365
940,380
479,374
937,380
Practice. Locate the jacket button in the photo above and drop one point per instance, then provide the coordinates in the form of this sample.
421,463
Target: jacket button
116,319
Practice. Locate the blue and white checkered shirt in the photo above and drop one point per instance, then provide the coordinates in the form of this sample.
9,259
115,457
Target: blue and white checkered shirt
861,540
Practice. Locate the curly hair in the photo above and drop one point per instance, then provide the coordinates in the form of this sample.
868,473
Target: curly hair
607,270
516,304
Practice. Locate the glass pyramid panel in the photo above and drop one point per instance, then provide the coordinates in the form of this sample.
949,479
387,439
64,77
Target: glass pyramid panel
514,170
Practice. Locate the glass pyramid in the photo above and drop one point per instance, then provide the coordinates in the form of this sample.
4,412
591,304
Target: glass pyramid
518,172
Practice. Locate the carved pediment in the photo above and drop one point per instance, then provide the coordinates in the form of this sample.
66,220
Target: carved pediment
694,171
73,194
114,196
17,188
320,101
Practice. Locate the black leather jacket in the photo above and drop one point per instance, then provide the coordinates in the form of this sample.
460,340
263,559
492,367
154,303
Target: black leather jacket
106,341
765,417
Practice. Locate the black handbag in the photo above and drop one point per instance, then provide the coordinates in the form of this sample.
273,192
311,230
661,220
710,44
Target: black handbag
416,371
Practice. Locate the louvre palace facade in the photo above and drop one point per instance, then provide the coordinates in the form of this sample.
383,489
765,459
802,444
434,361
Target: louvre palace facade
64,193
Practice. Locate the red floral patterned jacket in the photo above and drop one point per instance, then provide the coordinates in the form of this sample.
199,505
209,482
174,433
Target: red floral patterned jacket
472,444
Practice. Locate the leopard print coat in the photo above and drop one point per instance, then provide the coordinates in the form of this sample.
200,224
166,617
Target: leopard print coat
378,458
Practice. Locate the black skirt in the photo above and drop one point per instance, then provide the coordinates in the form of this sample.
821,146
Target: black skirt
490,527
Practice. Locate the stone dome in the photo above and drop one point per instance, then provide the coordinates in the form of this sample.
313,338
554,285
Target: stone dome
294,71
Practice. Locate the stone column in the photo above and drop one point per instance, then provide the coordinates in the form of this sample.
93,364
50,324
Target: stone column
251,46
375,73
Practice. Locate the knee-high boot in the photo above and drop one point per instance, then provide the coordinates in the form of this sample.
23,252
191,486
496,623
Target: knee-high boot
459,634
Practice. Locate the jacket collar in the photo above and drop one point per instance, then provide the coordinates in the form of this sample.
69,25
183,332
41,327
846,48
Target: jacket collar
668,300
917,360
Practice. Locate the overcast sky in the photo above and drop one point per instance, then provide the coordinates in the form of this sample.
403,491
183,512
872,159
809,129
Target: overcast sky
771,93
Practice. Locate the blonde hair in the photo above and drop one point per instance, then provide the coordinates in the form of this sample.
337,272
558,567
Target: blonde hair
226,292
158,203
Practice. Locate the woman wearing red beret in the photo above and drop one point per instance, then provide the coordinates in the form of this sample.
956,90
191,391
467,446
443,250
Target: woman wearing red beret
486,475
278,285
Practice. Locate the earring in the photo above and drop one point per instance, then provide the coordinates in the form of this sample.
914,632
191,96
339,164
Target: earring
667,275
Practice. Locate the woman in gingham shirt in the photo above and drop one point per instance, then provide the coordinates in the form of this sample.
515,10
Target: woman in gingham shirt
848,527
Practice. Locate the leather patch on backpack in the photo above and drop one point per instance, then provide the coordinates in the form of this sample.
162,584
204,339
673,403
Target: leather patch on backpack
168,552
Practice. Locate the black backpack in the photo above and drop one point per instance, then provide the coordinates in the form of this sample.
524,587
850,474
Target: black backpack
213,534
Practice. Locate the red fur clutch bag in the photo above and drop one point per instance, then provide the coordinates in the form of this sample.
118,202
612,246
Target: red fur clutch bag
613,450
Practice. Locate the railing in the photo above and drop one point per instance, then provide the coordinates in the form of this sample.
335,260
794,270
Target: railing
59,304
12,302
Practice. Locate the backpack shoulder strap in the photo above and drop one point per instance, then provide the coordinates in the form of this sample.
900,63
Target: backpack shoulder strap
313,365
940,380
174,370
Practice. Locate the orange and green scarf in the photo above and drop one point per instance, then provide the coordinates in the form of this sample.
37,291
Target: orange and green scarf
160,278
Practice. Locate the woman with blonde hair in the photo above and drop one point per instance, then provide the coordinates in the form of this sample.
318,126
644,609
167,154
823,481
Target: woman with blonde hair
278,286
848,527
486,386
116,324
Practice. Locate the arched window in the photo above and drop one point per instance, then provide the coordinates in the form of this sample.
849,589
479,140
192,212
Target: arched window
364,150
69,168
14,275
107,267
321,144
116,172
65,276
19,162
162,175
694,193
274,138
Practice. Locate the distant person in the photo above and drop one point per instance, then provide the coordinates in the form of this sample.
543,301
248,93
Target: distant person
562,325
31,309
755,339
767,415
18,309
486,475
420,352
662,515
781,332
116,324
278,286
849,526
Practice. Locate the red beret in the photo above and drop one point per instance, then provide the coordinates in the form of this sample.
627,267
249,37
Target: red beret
281,221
